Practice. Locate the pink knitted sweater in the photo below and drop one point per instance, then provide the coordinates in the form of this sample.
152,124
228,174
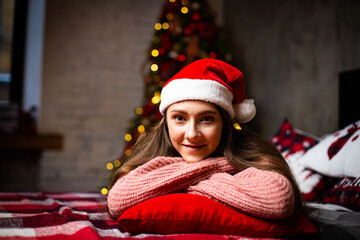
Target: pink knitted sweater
257,192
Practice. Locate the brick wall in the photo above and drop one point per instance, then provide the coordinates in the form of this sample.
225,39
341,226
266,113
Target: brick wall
91,85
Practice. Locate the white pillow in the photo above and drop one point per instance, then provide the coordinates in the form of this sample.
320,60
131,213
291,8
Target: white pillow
337,155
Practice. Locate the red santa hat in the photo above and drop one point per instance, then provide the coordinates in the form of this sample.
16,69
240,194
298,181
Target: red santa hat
212,81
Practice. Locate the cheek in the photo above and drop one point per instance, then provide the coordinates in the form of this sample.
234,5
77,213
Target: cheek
216,136
175,135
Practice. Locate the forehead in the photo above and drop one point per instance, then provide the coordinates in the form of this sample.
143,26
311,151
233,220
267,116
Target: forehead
192,105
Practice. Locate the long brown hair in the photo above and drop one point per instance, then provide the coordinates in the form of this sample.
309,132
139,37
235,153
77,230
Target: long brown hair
242,149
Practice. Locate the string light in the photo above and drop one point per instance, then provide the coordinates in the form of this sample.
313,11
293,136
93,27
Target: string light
141,128
237,126
212,55
139,110
165,25
104,191
155,53
128,152
128,137
184,10
169,16
158,26
154,67
172,1
181,57
117,163
187,30
109,166
155,99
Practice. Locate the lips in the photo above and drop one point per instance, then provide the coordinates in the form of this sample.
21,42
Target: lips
195,147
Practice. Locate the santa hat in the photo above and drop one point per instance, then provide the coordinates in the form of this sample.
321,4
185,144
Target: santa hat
212,81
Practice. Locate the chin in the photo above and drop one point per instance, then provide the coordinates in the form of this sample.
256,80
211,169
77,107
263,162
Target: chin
193,160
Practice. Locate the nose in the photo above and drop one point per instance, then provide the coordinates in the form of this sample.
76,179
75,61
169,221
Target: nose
192,131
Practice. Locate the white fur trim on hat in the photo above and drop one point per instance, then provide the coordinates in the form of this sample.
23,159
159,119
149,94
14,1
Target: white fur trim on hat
245,111
196,89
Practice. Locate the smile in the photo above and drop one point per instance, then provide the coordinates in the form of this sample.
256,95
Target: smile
194,146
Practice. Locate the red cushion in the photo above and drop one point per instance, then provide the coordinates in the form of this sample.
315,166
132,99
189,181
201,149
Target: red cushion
189,213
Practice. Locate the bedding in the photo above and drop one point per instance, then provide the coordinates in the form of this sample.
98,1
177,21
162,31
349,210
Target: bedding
327,171
333,201
73,215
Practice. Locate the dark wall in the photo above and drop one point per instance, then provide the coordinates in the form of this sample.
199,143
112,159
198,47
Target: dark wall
291,53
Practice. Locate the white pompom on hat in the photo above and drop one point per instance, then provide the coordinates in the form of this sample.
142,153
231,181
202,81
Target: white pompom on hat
212,81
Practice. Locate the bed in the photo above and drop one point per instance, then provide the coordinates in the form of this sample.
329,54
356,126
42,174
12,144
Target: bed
73,215
331,189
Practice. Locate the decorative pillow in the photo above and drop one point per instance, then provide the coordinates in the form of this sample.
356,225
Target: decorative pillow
346,192
294,143
190,213
337,155
290,140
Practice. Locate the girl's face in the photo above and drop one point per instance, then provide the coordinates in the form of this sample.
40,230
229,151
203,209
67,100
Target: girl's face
195,129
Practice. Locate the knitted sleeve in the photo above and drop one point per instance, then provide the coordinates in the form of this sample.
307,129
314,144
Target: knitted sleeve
257,192
160,176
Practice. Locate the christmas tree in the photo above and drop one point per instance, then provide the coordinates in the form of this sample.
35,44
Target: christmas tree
186,31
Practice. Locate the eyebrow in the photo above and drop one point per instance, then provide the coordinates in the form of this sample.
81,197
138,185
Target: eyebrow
201,113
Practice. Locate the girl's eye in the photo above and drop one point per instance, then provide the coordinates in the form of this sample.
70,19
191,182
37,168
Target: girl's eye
207,119
179,118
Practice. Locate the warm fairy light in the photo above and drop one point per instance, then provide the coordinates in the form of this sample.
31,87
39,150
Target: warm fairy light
158,26
155,99
187,30
184,10
165,25
169,16
117,163
181,57
154,67
139,110
128,152
141,128
212,55
155,53
172,0
128,137
109,166
104,191
237,126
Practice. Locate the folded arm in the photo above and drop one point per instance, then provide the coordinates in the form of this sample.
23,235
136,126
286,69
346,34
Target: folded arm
257,192
160,176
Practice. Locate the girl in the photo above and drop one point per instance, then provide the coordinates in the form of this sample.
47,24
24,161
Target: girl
195,149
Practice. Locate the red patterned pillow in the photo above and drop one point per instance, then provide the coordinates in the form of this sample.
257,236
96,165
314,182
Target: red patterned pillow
294,143
290,140
345,192
190,213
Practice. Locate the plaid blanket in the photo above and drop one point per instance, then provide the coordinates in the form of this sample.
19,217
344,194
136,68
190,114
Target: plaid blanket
75,215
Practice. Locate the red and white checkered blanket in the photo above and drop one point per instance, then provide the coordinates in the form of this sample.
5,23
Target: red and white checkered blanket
69,216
